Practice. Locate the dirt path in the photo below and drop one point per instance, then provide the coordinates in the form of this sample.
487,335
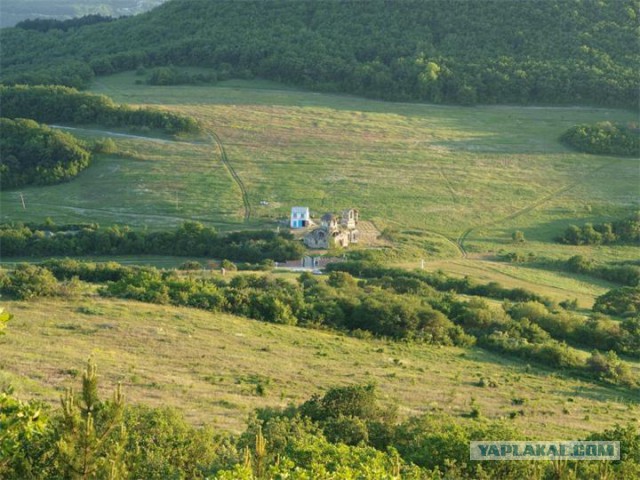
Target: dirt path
464,235
126,135
234,175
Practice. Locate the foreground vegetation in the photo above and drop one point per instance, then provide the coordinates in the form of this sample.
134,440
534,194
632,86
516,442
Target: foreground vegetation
347,430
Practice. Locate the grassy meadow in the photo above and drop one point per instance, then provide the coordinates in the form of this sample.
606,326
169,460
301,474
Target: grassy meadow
427,174
210,366
428,177
149,183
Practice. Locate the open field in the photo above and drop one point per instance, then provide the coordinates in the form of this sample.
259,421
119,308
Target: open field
428,174
209,366
148,184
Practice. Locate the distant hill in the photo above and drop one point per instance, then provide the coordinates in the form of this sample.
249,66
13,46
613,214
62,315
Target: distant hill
494,51
14,11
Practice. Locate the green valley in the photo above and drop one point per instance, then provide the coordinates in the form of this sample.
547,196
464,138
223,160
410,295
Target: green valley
160,319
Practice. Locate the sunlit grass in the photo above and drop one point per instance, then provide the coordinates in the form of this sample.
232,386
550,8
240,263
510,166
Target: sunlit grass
208,366
437,169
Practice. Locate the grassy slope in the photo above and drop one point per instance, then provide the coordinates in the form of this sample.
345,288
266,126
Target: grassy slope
428,173
428,168
148,184
208,366
555,285
412,167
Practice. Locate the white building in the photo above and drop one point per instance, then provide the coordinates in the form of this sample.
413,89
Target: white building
300,217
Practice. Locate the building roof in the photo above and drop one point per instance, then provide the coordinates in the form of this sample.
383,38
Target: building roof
299,209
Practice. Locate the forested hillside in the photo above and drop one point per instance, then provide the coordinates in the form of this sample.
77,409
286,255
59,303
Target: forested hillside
548,51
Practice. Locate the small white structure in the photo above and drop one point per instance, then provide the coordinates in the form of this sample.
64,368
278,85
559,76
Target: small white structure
300,217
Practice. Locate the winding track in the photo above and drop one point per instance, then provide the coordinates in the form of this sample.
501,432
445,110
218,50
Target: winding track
215,139
464,235
458,242
234,175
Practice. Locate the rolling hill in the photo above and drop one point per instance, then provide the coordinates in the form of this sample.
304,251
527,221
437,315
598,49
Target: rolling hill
441,122
548,51
209,365
424,174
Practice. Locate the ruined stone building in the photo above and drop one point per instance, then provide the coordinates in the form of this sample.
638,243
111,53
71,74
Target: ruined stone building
335,231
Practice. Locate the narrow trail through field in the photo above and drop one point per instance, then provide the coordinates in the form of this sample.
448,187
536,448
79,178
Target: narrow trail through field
452,191
464,235
234,175
126,135
215,140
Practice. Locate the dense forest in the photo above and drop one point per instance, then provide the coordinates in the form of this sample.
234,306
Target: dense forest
605,138
50,104
31,153
548,51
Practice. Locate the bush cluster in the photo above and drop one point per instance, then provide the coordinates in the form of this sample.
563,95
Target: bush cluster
623,301
622,231
605,138
35,154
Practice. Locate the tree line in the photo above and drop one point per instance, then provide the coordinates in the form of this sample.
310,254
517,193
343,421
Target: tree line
34,154
190,239
345,433
399,307
488,52
51,104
